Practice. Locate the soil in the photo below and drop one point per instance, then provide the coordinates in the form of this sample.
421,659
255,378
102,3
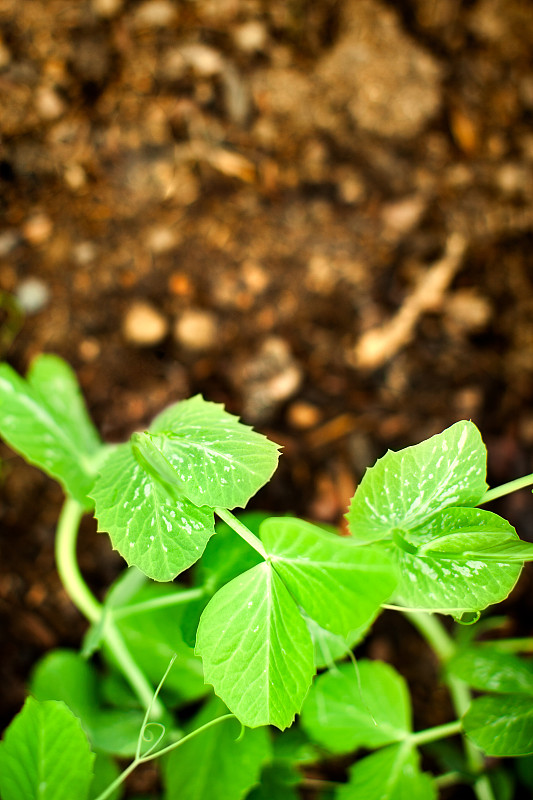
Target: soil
318,213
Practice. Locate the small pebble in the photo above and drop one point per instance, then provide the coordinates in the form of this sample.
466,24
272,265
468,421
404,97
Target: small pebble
204,60
196,329
143,325
161,240
85,252
48,103
8,241
106,8
250,36
156,13
37,229
33,295
303,415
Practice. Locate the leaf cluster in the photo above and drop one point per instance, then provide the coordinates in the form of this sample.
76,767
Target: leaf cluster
264,604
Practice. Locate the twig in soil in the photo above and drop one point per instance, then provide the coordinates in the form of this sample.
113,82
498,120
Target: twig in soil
378,345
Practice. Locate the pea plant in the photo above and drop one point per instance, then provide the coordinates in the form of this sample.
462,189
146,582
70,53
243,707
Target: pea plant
205,674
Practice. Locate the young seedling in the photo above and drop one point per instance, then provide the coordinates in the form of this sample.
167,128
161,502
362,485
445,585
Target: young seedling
266,603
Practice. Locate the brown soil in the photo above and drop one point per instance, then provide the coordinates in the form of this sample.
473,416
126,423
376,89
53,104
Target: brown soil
318,213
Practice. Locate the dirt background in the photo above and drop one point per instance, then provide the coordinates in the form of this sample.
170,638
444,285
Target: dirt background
318,213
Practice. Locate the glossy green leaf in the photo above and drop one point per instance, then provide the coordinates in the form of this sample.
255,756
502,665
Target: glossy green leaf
152,526
45,755
501,725
403,489
216,460
489,670
64,675
486,547
390,774
256,649
339,584
154,636
218,762
45,420
440,575
343,713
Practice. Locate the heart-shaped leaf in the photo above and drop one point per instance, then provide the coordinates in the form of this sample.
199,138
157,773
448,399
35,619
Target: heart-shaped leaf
345,710
152,526
339,584
256,649
390,774
45,755
45,420
405,488
215,459
502,725
442,565
489,670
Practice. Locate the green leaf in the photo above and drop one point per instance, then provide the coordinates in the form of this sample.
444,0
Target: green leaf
217,763
45,420
339,584
154,636
490,670
105,772
227,555
403,489
64,675
389,774
45,755
330,647
152,526
278,782
501,725
256,649
295,747
217,461
343,713
441,575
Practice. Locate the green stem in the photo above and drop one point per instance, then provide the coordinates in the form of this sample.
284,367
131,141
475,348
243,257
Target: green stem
173,599
436,733
85,601
448,779
444,646
506,488
524,645
242,530
143,759
67,563
119,780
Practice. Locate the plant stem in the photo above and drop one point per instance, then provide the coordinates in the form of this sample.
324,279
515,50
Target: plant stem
67,563
173,599
448,779
86,602
143,759
444,646
506,488
524,645
242,530
435,733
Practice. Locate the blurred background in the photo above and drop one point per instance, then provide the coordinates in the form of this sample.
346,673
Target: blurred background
318,212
